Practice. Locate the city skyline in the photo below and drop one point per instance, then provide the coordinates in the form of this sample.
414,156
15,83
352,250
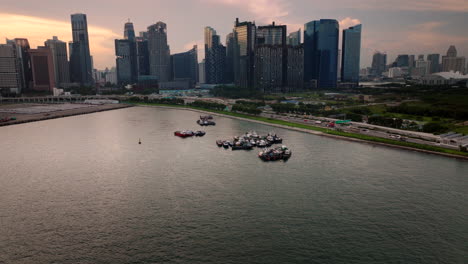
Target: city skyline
417,32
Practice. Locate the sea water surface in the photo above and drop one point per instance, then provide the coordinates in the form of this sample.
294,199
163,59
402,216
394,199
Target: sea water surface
82,190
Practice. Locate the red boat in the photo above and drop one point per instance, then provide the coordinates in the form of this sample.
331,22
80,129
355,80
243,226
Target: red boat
184,134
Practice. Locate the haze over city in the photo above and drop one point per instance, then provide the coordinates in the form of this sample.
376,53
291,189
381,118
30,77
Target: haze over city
395,27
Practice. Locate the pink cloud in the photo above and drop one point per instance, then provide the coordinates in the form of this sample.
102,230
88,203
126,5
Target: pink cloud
349,22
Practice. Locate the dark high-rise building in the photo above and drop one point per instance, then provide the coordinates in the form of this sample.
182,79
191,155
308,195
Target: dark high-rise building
230,49
271,59
269,68
43,69
185,65
60,58
129,31
10,68
379,64
159,54
295,70
215,58
434,60
244,53
80,58
351,54
294,38
402,61
142,56
321,52
126,61
26,78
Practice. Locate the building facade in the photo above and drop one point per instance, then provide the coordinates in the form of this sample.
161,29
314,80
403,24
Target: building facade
43,69
295,69
294,38
10,69
126,61
215,58
379,64
81,70
129,31
244,53
321,52
185,65
159,53
434,60
351,54
230,50
451,62
60,58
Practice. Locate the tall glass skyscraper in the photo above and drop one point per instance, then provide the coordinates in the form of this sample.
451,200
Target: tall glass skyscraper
60,58
159,54
80,59
185,65
244,54
321,52
126,61
215,58
129,31
351,54
294,38
435,62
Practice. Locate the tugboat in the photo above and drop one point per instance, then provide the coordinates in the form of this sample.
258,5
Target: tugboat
241,145
199,133
226,144
219,143
184,134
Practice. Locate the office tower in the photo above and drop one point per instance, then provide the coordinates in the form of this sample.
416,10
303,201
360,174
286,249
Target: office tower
142,56
434,60
379,64
271,59
129,31
215,57
295,68
321,52
185,65
350,63
422,68
80,58
159,54
126,61
244,53
451,62
411,61
10,69
402,61
26,78
294,38
230,50
43,69
201,72
60,59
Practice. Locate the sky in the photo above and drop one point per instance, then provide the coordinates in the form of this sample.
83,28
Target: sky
395,27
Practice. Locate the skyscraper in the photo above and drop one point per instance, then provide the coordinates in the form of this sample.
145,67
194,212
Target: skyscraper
126,61
379,63
271,58
434,60
351,54
129,31
23,45
215,57
294,38
80,58
142,56
295,69
321,52
10,68
230,49
185,65
451,62
43,69
60,59
402,61
244,53
159,54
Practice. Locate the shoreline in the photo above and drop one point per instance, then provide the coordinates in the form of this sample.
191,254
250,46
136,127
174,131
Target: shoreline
65,113
313,132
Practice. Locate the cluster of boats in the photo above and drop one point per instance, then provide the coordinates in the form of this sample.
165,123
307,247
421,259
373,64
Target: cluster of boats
189,133
274,154
206,121
250,140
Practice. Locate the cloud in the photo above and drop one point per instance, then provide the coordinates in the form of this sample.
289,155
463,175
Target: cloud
263,10
37,30
349,22
413,5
